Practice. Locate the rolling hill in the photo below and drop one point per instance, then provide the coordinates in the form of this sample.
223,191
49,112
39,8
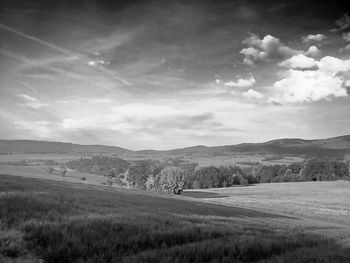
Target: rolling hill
336,146
29,146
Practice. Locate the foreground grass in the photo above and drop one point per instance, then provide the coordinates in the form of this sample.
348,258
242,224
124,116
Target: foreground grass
59,222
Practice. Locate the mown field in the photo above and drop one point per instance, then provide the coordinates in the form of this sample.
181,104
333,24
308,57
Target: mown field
49,221
327,200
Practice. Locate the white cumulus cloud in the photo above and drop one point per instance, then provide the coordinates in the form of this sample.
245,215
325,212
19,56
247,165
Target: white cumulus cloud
327,82
313,51
265,49
241,83
252,94
299,61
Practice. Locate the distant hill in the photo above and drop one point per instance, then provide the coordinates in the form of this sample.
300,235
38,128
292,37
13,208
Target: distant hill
336,146
29,146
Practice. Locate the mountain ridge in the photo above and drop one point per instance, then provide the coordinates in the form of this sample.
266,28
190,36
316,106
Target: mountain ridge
333,145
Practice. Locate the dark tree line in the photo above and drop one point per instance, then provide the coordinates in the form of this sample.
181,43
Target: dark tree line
156,176
100,165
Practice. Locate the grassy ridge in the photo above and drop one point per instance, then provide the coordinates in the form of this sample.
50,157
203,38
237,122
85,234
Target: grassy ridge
59,222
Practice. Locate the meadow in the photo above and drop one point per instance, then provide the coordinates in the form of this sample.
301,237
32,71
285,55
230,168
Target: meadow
328,200
51,221
60,158
40,172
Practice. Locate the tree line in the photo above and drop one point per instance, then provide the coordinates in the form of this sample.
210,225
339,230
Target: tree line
174,175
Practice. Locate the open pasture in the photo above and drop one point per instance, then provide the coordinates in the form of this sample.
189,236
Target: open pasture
329,201
40,172
60,158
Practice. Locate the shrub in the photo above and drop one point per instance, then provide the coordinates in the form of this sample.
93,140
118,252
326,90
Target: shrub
195,185
50,170
244,182
289,176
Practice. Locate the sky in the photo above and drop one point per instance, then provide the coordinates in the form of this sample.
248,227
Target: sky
163,74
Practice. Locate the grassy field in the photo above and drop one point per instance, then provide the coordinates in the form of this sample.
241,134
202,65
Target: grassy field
65,222
40,172
321,200
60,158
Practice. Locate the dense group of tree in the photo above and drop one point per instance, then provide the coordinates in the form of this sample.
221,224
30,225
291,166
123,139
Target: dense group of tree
100,165
173,175
314,169
208,177
137,174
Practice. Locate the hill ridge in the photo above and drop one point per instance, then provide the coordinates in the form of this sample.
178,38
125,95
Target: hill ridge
332,145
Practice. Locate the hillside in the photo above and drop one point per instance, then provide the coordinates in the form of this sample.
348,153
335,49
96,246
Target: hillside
29,146
46,221
336,146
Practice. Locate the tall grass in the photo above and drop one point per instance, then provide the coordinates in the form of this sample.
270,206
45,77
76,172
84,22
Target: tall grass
60,223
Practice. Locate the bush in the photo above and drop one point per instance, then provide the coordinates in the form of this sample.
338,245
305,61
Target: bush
195,185
50,170
244,182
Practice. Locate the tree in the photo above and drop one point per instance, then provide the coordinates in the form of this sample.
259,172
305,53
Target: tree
139,172
50,170
289,176
195,184
169,180
152,183
237,178
244,181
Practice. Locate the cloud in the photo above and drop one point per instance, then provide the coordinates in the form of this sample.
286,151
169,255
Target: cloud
92,63
30,102
241,83
300,62
346,36
334,65
252,94
313,51
314,38
27,97
343,22
327,82
266,49
302,86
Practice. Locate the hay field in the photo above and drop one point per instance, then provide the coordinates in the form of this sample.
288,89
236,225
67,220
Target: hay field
328,201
